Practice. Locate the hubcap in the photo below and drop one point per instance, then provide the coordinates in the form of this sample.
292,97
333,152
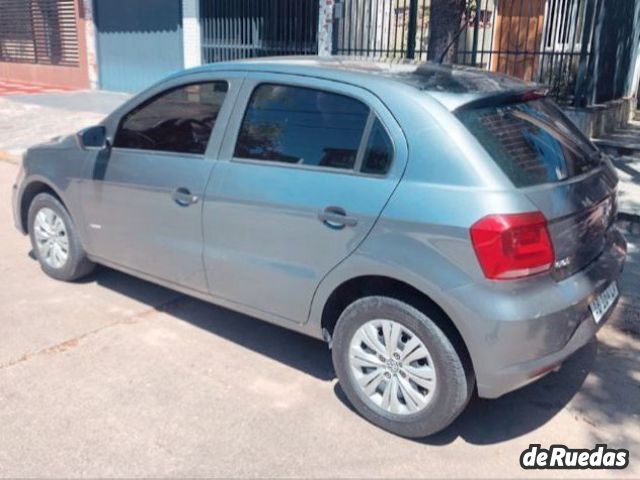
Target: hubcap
51,238
392,367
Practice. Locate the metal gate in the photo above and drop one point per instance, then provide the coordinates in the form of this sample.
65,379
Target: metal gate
547,41
234,29
381,28
41,32
139,42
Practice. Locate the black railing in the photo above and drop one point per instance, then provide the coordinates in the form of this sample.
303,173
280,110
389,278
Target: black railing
546,41
235,29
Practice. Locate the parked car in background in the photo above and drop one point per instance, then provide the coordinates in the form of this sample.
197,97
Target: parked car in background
444,229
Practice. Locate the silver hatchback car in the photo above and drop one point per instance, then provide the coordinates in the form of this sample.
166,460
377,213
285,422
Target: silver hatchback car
445,230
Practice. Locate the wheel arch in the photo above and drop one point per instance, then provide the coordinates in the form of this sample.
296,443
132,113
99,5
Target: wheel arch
369,285
30,191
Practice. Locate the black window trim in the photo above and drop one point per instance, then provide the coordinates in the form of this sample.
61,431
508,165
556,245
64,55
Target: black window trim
150,100
366,135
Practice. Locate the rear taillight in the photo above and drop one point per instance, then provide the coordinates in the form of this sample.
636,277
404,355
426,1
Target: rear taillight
512,246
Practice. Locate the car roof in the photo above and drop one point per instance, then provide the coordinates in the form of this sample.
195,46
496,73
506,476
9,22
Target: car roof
452,86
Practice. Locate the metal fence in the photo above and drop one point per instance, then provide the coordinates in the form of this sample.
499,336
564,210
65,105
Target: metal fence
235,29
547,41
39,31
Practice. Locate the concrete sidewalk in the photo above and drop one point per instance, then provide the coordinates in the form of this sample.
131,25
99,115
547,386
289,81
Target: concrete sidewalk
629,187
29,119
624,145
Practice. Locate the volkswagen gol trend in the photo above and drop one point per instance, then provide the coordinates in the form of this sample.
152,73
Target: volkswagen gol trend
445,230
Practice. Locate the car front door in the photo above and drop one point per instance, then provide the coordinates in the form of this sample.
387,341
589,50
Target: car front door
142,200
306,167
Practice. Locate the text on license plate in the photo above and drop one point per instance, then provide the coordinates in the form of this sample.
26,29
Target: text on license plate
601,305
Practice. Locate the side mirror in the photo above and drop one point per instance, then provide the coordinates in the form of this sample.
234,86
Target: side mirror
93,138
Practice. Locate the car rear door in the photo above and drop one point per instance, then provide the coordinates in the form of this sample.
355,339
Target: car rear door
142,200
305,170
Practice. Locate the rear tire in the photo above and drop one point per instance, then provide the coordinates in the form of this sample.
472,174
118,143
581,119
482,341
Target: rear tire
54,240
408,400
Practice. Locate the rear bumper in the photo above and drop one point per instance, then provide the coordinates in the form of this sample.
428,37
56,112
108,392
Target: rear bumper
519,333
516,376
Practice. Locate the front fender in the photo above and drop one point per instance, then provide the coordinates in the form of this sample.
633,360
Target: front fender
57,167
25,191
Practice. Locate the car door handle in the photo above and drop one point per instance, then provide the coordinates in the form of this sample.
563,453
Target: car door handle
183,197
336,217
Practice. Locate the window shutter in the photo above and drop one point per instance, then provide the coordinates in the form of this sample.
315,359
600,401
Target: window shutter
39,31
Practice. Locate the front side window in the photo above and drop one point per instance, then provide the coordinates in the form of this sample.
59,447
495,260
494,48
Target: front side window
302,126
180,120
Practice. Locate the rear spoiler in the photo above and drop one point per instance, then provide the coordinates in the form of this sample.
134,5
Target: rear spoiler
504,98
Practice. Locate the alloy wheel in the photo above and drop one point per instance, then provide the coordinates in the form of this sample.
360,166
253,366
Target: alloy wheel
392,367
51,238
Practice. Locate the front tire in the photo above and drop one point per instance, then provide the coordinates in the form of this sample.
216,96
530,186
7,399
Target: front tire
398,368
54,240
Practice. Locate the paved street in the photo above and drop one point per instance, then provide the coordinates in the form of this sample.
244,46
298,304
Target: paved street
114,376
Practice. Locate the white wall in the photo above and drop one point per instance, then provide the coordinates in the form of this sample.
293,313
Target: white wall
325,27
191,33
92,45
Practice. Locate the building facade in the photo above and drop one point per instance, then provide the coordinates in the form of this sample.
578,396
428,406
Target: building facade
126,45
44,41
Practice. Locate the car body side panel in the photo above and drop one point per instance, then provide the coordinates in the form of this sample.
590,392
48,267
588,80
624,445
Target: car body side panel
59,164
131,216
132,219
509,328
263,237
422,239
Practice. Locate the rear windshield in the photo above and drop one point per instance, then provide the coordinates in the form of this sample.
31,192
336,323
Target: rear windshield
532,142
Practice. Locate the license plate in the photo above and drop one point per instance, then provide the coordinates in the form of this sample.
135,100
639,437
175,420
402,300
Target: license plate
601,305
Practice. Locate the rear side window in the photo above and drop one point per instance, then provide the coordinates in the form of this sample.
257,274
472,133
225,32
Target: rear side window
532,142
302,126
379,152
179,120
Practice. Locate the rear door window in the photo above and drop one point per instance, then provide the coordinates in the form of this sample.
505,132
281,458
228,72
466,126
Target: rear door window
532,142
379,151
302,126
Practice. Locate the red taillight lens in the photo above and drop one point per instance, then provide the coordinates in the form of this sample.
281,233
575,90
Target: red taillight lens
512,246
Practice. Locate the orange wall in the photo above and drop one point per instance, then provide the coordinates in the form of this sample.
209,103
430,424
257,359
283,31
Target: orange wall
519,25
50,74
